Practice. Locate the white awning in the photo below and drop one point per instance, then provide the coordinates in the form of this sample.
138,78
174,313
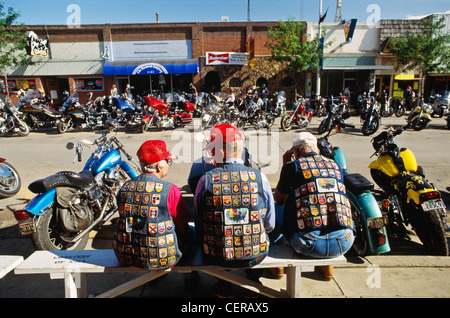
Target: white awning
60,67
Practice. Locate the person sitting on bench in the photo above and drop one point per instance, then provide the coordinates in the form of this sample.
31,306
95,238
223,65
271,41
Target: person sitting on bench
317,218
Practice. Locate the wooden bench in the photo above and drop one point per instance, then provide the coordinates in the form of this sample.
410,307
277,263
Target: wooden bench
8,263
73,266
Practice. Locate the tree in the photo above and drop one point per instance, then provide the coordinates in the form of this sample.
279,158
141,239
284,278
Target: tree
428,51
12,41
290,44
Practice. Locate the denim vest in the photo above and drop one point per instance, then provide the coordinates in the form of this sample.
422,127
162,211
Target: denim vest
145,232
317,198
233,211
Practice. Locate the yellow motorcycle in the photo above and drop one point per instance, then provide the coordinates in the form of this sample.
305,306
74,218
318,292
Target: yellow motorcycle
409,198
420,117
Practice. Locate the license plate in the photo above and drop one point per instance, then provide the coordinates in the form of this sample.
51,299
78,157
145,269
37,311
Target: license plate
433,205
27,228
376,223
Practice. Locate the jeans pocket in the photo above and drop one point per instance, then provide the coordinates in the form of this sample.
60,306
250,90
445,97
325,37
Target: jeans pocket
302,244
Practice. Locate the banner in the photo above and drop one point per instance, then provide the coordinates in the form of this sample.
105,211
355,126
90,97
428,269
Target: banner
349,28
226,58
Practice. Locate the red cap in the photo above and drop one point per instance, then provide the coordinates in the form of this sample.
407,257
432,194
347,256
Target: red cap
153,151
223,133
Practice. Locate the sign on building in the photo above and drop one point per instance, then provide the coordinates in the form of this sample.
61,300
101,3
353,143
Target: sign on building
36,46
226,58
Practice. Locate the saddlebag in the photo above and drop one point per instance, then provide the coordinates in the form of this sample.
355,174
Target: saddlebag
74,215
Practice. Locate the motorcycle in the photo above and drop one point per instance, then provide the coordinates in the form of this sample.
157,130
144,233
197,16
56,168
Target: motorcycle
333,116
299,116
370,223
69,204
408,197
75,115
399,107
386,108
278,103
420,117
124,113
371,118
10,121
448,121
160,115
319,107
440,103
255,116
10,182
37,114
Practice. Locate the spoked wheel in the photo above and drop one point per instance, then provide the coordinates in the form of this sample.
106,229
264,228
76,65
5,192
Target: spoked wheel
369,129
48,235
286,123
360,245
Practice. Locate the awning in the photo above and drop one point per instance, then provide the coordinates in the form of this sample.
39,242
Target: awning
353,63
59,68
179,66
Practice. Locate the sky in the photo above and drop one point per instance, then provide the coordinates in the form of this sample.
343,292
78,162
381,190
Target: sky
50,12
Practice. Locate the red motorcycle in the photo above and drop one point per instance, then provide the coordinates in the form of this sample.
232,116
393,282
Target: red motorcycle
161,115
300,115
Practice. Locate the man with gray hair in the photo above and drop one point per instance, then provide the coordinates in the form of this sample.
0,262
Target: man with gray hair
317,218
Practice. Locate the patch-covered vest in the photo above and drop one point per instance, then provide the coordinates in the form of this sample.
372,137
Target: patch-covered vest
317,199
234,209
145,232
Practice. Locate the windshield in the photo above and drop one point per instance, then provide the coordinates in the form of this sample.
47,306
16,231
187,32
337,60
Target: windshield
445,94
72,99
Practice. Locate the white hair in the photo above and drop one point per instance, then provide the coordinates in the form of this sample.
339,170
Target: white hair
151,168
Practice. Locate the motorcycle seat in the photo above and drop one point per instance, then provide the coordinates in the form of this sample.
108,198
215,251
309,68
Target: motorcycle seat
62,179
357,183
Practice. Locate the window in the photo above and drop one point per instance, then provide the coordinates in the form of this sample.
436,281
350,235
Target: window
89,84
16,84
235,82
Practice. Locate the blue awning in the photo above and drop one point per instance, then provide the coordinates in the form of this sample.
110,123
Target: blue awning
182,66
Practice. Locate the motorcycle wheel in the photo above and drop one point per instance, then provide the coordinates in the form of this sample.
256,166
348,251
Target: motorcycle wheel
24,130
360,245
420,124
324,126
143,128
448,123
388,112
9,186
49,237
62,127
286,123
430,230
370,129
399,111
270,120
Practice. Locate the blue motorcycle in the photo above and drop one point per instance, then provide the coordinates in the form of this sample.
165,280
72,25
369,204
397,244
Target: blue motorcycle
125,113
370,223
69,204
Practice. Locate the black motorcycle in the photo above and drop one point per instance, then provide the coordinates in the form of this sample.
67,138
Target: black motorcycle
335,113
10,121
255,116
399,107
76,115
371,118
37,113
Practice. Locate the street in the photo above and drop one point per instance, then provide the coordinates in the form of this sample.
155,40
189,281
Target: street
43,153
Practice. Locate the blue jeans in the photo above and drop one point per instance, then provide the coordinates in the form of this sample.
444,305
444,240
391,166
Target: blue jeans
329,245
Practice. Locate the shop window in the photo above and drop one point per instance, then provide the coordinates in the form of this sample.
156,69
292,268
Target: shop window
89,84
15,85
235,82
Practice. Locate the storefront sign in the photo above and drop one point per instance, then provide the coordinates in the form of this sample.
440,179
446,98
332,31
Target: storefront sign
226,58
36,46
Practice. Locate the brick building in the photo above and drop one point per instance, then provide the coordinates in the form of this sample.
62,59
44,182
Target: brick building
151,56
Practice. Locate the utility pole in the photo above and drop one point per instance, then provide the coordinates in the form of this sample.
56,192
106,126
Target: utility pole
248,11
318,68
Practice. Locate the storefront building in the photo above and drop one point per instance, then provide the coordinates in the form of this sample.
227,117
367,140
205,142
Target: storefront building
155,56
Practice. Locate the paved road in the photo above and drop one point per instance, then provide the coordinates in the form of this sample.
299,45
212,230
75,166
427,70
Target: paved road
43,153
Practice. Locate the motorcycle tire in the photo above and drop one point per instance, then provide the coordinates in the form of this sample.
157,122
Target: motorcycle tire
24,130
48,235
360,245
270,119
430,230
9,187
448,123
370,129
62,127
420,124
143,128
324,126
388,112
399,112
286,123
